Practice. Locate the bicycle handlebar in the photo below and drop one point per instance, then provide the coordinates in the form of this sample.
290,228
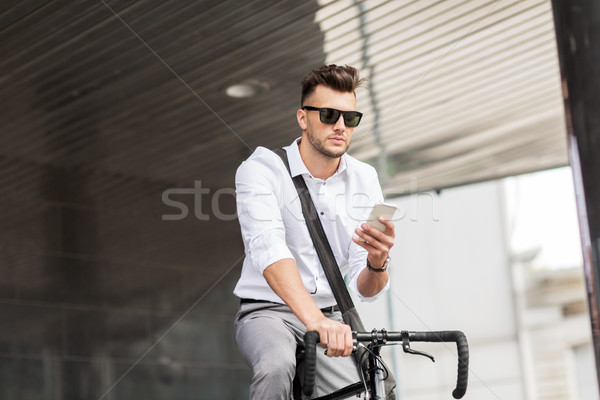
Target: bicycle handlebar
462,348
312,338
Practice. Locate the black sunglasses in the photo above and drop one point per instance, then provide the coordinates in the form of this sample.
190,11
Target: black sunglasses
330,116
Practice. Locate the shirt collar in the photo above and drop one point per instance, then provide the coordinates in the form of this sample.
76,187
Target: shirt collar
297,166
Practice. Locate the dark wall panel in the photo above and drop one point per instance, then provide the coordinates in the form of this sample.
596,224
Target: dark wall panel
105,107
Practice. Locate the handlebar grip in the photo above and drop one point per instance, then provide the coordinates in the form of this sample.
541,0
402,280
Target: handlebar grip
310,362
463,354
463,365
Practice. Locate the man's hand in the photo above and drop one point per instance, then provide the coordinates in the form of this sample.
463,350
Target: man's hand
334,335
284,279
377,243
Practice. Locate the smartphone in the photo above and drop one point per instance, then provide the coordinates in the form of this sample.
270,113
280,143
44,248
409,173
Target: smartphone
380,210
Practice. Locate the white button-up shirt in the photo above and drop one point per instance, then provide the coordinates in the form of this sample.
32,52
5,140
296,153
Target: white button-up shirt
273,227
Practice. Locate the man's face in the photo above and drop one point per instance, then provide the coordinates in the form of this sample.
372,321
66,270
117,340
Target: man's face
329,140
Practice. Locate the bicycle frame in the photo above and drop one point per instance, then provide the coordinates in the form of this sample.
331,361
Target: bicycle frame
377,339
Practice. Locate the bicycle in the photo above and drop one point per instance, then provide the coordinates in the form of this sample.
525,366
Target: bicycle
373,378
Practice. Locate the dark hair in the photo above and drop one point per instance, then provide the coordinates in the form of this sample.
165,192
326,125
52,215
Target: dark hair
341,78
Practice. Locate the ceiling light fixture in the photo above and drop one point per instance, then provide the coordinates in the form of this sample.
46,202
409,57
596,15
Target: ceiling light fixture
249,88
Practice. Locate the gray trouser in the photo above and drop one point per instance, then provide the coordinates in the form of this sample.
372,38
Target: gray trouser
267,336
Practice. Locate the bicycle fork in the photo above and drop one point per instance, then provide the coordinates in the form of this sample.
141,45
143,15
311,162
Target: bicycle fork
376,369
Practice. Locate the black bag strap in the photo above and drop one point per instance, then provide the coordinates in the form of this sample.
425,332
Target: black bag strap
332,271
317,234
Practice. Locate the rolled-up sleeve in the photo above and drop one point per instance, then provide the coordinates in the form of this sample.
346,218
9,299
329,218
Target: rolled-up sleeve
357,256
259,214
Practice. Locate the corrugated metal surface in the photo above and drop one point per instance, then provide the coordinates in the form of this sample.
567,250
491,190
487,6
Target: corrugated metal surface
106,105
129,95
460,91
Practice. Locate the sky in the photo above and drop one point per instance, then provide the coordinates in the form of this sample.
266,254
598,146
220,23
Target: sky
542,214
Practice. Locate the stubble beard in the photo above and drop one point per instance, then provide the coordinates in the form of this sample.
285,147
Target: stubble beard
318,145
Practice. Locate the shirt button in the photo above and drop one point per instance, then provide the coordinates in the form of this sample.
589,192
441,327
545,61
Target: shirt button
322,213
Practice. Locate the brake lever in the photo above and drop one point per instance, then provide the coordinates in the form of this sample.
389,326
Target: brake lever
407,349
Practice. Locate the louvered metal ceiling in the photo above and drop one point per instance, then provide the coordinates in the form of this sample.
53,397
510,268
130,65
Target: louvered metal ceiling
460,91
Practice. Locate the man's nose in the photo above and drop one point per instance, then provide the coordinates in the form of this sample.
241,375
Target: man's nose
340,125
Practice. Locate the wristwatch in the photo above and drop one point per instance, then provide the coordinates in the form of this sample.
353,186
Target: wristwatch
382,269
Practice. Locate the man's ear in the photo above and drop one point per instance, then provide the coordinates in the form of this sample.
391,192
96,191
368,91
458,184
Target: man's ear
301,117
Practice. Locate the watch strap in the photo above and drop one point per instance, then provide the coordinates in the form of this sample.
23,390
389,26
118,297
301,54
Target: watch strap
382,269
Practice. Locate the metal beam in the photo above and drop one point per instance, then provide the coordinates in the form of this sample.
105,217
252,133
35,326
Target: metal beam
577,24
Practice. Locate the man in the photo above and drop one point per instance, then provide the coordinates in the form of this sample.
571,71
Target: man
283,289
